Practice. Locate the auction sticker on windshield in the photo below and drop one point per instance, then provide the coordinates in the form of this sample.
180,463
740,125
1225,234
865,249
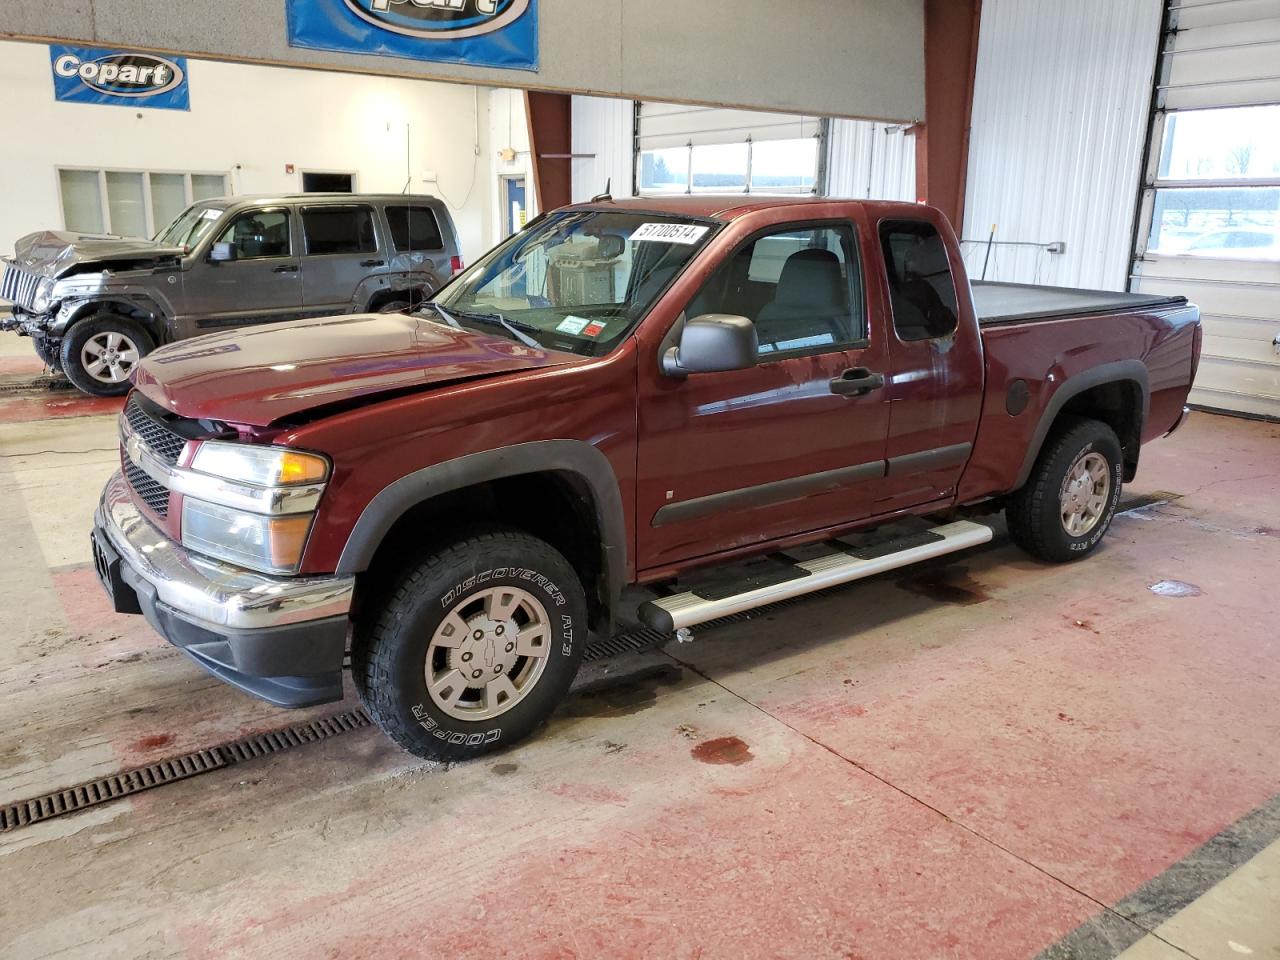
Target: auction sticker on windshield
686,233
572,324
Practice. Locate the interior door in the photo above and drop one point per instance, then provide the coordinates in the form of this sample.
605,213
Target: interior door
795,443
342,252
263,283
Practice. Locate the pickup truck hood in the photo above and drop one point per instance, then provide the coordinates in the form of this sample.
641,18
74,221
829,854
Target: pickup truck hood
56,253
261,375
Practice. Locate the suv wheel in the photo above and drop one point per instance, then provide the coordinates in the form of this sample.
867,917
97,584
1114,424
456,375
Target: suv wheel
1067,504
100,353
474,646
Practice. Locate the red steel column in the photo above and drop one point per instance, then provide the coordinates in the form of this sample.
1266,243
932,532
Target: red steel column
942,143
551,142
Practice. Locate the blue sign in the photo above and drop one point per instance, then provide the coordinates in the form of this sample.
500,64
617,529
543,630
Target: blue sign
481,33
120,78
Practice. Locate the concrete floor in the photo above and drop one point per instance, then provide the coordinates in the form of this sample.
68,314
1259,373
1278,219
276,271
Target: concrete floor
988,758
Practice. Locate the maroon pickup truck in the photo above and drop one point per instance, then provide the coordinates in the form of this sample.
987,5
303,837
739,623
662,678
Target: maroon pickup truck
655,411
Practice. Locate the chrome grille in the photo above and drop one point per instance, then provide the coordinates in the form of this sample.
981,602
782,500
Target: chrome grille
153,495
18,286
164,443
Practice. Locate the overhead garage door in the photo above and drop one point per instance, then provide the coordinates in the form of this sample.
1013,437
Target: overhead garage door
1209,227
685,149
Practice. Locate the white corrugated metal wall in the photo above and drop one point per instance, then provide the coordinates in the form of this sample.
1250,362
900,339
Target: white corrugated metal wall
1221,63
870,161
603,126
1061,97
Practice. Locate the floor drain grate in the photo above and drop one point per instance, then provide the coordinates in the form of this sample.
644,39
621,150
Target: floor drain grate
59,803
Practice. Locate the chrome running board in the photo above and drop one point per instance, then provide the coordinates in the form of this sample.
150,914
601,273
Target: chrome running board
843,564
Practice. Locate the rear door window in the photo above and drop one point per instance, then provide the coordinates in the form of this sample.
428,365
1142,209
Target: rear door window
921,288
414,229
339,229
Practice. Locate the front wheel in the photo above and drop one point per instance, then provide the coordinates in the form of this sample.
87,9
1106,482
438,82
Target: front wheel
100,353
1066,506
474,647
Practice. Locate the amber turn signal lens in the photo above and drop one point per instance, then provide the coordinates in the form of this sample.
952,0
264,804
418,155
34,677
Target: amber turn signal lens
301,468
288,535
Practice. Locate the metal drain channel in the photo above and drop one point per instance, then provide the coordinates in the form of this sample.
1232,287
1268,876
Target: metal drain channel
59,803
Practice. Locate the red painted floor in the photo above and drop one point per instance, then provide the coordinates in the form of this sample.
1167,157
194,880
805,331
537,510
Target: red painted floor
55,404
961,762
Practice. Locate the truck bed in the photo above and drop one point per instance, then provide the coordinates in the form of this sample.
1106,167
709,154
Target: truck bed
1003,303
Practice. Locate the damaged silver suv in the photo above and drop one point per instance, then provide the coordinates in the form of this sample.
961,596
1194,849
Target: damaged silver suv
94,306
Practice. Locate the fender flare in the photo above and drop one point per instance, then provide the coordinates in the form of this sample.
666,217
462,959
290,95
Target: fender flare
539,456
96,303
1134,371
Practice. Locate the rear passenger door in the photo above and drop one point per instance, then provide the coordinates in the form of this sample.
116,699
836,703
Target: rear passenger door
420,255
342,251
936,395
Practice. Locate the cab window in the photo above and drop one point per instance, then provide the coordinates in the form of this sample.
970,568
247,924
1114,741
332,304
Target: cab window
921,288
257,234
800,285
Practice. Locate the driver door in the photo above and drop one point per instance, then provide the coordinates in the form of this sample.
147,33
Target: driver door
731,459
262,284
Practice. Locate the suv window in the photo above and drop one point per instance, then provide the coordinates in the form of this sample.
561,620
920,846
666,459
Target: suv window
339,229
414,228
258,233
921,288
800,285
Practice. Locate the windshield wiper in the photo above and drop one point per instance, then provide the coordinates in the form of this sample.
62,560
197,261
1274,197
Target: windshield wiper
497,319
446,316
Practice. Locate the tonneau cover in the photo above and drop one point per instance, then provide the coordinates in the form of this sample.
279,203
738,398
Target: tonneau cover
998,303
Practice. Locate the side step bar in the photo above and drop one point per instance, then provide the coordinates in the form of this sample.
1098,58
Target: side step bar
850,563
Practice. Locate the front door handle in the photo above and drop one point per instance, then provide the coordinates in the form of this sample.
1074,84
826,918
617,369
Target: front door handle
857,382
287,268
372,263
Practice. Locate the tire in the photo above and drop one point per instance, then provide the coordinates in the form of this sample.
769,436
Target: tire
395,306
106,332
1080,470
399,644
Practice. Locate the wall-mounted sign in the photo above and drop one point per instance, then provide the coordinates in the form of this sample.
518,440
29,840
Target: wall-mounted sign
482,33
118,77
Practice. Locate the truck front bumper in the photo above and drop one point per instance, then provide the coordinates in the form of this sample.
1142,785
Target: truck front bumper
279,638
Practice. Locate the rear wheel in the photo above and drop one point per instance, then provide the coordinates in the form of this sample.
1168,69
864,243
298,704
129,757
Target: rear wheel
474,647
99,354
1066,506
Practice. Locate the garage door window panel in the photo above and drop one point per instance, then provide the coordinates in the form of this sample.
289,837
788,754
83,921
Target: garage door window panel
922,289
414,229
259,234
801,286
332,231
1217,193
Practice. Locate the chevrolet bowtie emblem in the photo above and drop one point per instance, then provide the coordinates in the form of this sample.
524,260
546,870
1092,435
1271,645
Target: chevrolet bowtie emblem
133,447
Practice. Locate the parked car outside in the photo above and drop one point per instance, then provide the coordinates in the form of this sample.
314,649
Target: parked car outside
95,306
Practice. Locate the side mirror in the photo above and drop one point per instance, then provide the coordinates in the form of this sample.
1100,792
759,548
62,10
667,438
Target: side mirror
222,253
713,343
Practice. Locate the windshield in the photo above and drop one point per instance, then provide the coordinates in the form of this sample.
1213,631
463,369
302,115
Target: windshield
189,226
576,281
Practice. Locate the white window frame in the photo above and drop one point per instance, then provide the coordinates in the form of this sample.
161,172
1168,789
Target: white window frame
148,208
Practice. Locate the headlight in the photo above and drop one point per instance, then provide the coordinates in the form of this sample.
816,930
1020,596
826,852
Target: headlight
268,544
251,505
43,296
261,465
